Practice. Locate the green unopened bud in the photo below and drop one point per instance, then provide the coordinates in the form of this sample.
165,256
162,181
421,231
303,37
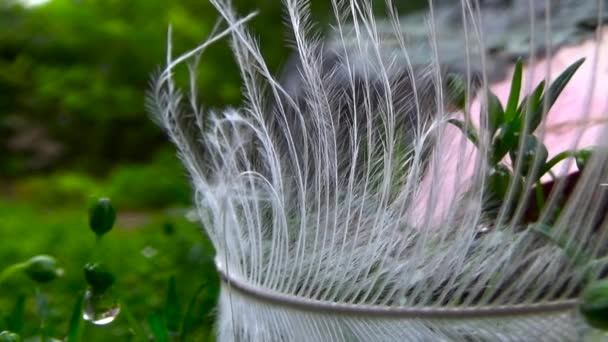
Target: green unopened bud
7,336
98,277
102,216
42,268
582,157
594,305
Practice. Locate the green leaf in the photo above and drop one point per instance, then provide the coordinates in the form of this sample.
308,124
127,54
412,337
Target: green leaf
140,334
190,318
498,183
102,216
467,129
553,93
533,152
530,105
553,161
504,141
457,90
511,111
496,114
157,327
199,312
173,309
574,253
75,330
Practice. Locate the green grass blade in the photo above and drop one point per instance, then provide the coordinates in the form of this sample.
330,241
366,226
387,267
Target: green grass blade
173,310
157,327
496,113
555,89
140,334
15,321
190,318
76,326
553,161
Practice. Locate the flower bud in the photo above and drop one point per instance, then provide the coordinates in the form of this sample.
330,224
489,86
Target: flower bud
582,157
42,268
594,305
98,277
102,216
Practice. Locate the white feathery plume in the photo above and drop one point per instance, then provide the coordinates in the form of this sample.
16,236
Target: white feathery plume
343,203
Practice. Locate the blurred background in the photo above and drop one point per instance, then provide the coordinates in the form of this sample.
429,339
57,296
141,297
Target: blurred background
73,74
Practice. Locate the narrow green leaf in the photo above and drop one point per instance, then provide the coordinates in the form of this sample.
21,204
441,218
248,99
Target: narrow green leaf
553,161
467,129
75,330
173,310
457,90
190,318
531,103
511,111
140,334
157,327
574,253
496,113
555,89
498,184
504,141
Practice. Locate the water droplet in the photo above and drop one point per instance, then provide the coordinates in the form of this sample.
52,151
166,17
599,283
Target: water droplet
148,252
100,308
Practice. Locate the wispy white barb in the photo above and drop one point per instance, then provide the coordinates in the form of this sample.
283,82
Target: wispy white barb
344,207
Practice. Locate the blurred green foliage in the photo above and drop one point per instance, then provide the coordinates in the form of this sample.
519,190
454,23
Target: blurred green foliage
158,184
140,251
73,75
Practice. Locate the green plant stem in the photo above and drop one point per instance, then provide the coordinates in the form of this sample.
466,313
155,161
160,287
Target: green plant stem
558,158
540,196
190,310
140,334
9,271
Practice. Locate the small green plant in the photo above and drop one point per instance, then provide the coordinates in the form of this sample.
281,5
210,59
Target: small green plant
99,302
509,131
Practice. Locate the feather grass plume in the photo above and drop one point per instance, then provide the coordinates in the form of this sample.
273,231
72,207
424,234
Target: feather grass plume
346,204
